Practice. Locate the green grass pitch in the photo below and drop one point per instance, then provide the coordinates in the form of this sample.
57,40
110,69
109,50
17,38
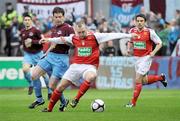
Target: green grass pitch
153,105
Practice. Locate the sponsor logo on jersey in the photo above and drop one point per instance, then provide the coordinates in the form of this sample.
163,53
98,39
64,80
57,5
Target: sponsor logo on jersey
139,45
84,51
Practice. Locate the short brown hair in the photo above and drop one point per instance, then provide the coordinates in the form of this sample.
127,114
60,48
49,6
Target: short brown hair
142,16
58,10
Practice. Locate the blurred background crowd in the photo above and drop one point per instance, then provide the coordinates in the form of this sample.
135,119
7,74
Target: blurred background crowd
11,23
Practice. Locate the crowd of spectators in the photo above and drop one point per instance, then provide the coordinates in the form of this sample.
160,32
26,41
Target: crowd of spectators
11,23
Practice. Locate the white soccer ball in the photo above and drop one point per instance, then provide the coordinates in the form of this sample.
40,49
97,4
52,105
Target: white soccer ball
98,105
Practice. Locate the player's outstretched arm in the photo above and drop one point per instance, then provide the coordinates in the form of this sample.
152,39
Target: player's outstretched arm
58,40
103,37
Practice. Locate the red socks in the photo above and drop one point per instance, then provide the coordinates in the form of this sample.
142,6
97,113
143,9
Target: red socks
83,88
138,86
154,78
54,98
137,91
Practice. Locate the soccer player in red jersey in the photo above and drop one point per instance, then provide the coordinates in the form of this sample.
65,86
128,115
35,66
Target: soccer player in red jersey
85,61
143,52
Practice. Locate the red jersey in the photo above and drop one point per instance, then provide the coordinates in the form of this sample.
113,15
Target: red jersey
86,50
143,45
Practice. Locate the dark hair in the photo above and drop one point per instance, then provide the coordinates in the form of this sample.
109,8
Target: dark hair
178,11
58,10
141,15
27,15
8,3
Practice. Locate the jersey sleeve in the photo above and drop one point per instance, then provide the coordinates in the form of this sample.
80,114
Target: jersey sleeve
103,37
130,31
38,36
71,30
62,40
154,37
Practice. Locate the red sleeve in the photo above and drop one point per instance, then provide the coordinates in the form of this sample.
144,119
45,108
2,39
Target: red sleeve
131,30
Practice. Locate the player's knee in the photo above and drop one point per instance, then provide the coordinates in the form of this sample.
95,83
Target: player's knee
53,81
138,80
25,69
34,76
52,85
63,85
60,88
91,76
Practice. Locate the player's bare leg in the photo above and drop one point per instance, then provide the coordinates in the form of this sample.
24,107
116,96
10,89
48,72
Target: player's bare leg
56,94
53,84
36,72
89,78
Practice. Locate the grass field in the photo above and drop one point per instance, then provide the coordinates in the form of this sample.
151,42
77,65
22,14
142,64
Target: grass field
153,105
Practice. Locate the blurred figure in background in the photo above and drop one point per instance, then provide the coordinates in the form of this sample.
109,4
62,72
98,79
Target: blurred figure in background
160,20
110,49
15,37
173,35
177,17
7,19
162,32
90,24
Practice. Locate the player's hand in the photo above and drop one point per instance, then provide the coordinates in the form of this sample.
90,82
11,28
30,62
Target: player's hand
134,35
53,45
129,52
28,42
44,40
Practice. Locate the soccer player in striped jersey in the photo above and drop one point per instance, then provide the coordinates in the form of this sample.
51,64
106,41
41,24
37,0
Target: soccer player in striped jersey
30,37
57,59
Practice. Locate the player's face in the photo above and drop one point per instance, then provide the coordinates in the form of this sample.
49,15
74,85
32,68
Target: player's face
81,31
140,22
58,18
27,22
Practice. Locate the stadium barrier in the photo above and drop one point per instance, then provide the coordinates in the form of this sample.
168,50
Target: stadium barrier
114,72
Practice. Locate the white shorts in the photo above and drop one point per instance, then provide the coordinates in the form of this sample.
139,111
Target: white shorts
78,71
143,64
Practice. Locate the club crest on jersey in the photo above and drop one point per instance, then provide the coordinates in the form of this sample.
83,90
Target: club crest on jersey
23,35
31,34
83,42
59,32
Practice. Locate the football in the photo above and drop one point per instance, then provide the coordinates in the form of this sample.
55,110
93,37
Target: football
98,105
